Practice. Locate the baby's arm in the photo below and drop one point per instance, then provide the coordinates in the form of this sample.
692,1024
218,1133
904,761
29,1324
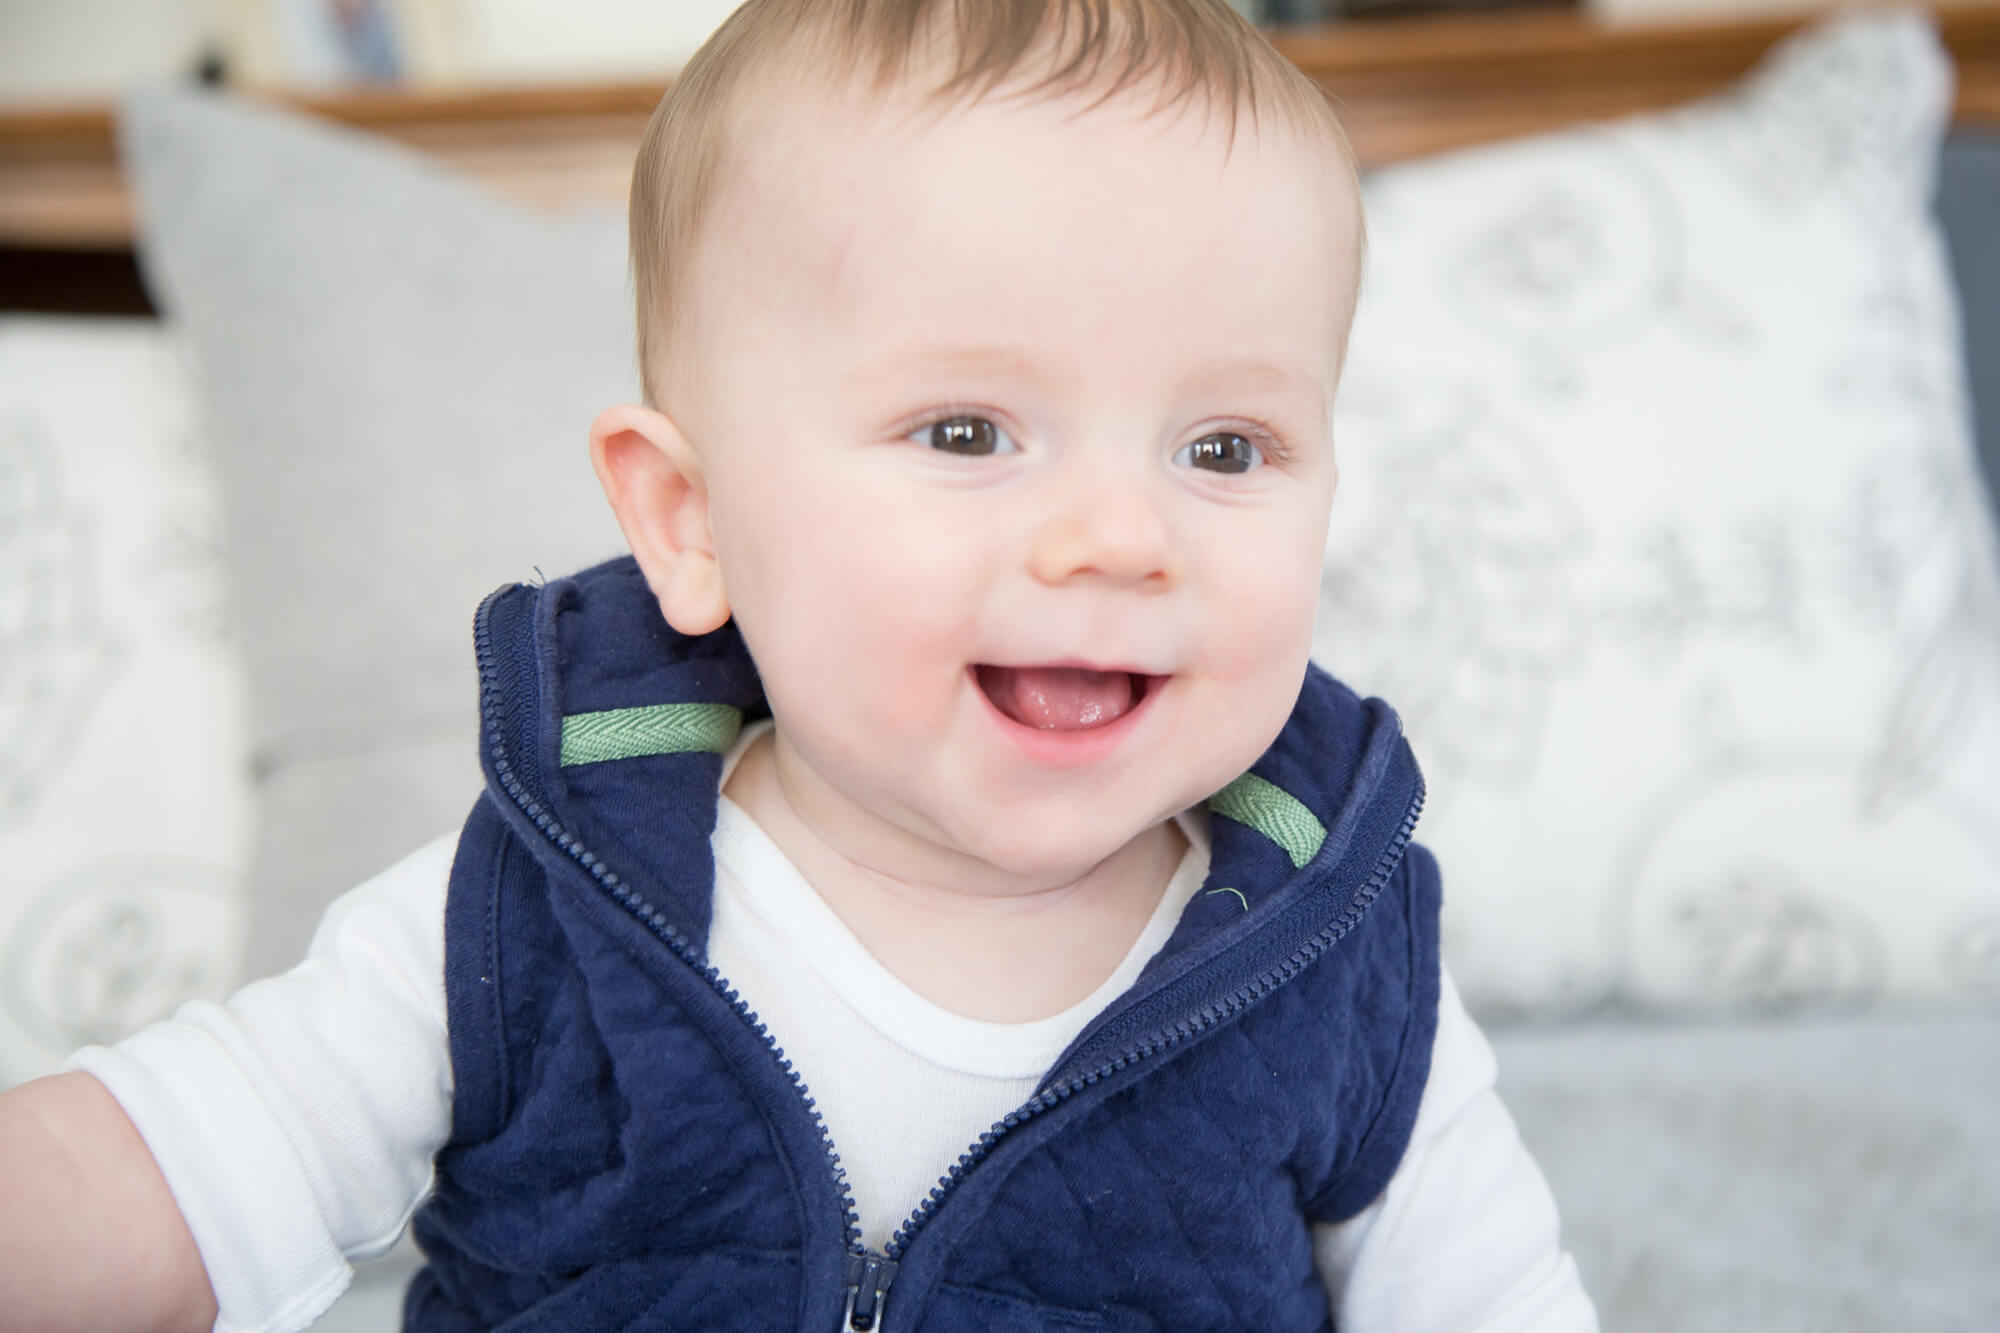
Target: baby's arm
1465,1237
90,1238
283,1133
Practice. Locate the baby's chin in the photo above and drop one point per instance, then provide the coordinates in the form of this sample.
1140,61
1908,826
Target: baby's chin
1040,848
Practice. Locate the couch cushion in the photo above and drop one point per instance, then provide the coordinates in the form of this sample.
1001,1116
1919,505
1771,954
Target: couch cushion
125,799
1659,522
1838,1176
400,371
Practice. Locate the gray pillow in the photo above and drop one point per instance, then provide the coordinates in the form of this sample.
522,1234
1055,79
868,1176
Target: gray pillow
399,371
1969,207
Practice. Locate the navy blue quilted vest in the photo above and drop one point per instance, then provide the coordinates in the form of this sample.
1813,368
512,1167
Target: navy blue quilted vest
631,1150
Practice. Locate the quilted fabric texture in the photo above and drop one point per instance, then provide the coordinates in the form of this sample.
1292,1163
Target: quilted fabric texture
124,784
630,1150
1660,524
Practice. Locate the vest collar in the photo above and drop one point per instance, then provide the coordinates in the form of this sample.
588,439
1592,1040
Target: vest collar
603,731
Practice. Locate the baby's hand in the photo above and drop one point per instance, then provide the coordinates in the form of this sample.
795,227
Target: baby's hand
90,1238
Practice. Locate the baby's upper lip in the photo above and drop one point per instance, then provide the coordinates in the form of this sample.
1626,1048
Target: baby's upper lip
1077,664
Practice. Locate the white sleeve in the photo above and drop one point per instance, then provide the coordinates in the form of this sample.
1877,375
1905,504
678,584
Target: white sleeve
296,1124
1465,1236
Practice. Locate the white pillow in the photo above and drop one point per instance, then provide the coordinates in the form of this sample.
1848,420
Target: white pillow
124,790
1660,524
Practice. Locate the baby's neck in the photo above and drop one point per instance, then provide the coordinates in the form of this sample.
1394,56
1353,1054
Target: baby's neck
999,952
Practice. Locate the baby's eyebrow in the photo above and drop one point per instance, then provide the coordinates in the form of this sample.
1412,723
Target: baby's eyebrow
1216,375
920,366
1258,374
933,356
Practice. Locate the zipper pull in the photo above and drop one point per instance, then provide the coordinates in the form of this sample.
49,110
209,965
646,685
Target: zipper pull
868,1279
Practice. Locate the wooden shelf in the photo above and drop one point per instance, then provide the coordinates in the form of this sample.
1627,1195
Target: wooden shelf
1406,87
60,184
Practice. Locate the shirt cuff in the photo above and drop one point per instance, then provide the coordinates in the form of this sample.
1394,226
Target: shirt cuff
270,1259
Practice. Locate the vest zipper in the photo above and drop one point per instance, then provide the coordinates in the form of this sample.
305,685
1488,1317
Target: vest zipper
1257,988
869,1275
868,1279
681,947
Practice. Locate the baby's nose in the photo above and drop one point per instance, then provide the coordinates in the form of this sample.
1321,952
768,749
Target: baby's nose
1114,534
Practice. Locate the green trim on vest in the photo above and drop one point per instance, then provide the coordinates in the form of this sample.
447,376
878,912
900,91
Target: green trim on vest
629,733
1273,812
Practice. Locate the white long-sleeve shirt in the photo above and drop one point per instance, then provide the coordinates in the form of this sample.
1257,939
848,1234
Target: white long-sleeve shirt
296,1124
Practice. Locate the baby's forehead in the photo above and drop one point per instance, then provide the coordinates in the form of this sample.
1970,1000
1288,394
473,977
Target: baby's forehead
818,151
762,110
891,242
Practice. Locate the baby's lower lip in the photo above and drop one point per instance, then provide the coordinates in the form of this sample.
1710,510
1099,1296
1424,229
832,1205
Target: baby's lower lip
1062,698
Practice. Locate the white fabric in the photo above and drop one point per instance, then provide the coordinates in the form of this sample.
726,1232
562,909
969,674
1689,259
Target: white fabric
296,1125
1659,525
903,1085
1466,1234
125,801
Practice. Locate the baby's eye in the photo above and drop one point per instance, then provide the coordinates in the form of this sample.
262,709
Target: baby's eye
1221,451
974,436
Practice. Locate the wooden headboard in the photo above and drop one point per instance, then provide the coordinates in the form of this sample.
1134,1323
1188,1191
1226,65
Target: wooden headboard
1406,86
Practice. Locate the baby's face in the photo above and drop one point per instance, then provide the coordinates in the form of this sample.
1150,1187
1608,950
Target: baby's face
1015,422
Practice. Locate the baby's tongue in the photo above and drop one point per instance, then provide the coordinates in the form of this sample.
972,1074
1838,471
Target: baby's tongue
1058,698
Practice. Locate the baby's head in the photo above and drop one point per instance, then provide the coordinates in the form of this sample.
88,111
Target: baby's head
991,350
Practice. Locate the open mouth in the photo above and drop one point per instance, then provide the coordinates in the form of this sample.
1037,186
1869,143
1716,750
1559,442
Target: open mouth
1063,698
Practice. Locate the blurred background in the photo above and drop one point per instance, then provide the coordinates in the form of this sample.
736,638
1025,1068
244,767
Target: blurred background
59,51
55,51
1669,434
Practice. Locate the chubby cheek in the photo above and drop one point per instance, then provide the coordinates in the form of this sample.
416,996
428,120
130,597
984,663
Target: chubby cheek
1257,632
853,612
1260,573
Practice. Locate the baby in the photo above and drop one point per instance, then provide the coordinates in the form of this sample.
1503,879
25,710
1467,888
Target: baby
925,887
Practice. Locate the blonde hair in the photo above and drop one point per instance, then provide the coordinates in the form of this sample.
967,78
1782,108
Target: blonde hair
1190,49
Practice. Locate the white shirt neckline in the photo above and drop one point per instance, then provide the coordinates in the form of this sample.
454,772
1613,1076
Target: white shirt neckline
751,868
764,881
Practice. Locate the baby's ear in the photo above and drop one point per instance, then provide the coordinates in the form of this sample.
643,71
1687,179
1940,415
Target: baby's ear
654,481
